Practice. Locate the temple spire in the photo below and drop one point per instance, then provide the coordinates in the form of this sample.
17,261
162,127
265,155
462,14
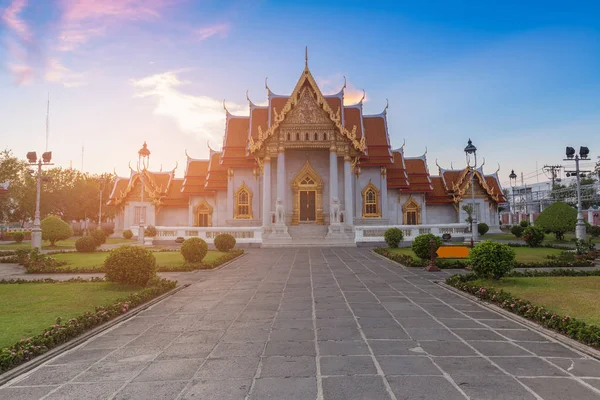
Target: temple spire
306,57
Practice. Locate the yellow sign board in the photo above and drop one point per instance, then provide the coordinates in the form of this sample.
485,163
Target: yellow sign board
453,252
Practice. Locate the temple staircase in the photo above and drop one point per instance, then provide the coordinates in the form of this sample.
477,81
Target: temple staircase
310,235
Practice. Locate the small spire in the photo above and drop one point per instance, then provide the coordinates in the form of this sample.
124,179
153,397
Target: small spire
363,97
344,87
403,144
306,57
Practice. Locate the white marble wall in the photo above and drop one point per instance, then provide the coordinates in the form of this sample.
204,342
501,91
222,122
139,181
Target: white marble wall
246,175
442,214
172,216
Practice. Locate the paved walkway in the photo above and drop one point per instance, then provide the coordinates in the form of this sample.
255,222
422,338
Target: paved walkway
315,324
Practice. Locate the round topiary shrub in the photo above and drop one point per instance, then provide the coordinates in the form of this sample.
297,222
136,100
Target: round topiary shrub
18,236
483,228
517,230
393,237
194,250
533,236
130,265
224,242
86,244
524,224
99,236
127,234
492,259
557,218
594,231
150,231
421,245
55,229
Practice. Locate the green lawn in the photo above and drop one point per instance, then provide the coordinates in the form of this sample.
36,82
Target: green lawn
92,260
549,239
523,254
29,308
578,297
67,244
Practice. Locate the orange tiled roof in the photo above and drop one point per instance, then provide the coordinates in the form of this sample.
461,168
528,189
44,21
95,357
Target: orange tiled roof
118,188
259,116
174,196
494,185
195,176
397,178
277,104
418,175
216,179
438,195
353,117
456,182
378,145
235,142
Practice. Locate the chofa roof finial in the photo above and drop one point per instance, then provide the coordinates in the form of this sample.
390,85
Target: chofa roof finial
344,87
403,144
498,170
363,97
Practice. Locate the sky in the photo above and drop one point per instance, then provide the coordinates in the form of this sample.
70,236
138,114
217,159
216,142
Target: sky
518,78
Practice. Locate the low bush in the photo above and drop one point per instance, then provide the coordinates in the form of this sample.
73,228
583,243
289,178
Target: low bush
224,242
393,237
594,231
194,250
150,231
422,247
18,237
517,230
63,331
107,229
483,228
131,265
86,244
576,329
55,229
492,260
409,261
179,240
524,224
127,234
36,262
99,236
533,236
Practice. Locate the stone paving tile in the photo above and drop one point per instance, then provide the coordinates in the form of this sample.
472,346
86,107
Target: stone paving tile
560,389
247,331
423,387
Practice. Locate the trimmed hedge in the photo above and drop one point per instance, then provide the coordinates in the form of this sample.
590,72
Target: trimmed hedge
55,229
571,327
224,242
422,246
194,250
393,237
61,332
409,261
99,237
127,234
131,265
482,228
492,259
517,230
86,244
533,236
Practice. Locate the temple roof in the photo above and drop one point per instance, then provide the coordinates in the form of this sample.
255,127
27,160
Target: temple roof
418,174
378,146
157,186
397,177
456,182
195,176
216,178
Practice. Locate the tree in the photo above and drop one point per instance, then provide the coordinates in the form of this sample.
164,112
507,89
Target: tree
468,208
597,168
55,229
558,218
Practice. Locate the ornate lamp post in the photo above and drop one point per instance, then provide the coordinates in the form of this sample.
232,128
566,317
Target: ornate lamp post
36,232
142,165
513,182
102,183
583,155
471,150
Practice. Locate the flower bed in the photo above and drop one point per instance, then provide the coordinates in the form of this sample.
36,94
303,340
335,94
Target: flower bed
63,331
576,329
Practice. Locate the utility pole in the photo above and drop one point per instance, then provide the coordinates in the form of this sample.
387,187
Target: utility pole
553,170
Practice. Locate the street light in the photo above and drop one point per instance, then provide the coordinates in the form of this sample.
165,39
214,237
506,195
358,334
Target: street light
36,232
583,155
142,165
513,177
102,183
472,150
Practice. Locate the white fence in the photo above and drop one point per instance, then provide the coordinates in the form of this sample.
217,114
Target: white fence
241,235
364,234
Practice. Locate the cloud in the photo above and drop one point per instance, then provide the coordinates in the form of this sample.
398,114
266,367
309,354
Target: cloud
10,17
58,73
209,31
22,74
199,116
332,85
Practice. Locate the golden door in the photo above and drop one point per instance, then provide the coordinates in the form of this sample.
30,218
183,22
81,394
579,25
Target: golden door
308,209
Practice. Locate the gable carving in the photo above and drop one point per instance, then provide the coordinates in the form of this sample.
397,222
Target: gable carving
307,112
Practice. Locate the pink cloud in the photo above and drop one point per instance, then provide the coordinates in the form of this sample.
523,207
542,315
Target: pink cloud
332,85
209,31
22,74
10,17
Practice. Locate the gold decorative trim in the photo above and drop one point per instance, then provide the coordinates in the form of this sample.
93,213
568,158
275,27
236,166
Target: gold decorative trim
240,212
317,186
202,208
411,206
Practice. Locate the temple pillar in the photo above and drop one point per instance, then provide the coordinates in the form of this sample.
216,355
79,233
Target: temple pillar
335,230
279,230
230,191
349,215
424,212
333,177
281,175
267,191
384,196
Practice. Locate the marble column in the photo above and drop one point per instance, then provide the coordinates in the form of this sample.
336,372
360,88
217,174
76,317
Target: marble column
230,193
281,175
424,212
349,214
384,196
333,176
267,191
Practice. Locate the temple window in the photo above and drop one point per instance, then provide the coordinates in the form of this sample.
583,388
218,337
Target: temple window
137,214
289,137
316,136
243,202
412,212
203,213
306,136
370,196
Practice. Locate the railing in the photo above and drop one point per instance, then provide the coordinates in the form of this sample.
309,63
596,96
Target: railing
241,234
376,233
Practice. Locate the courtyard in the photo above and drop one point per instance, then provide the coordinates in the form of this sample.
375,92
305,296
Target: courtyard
327,323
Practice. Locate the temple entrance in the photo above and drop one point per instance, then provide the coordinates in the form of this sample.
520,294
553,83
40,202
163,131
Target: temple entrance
307,188
308,205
